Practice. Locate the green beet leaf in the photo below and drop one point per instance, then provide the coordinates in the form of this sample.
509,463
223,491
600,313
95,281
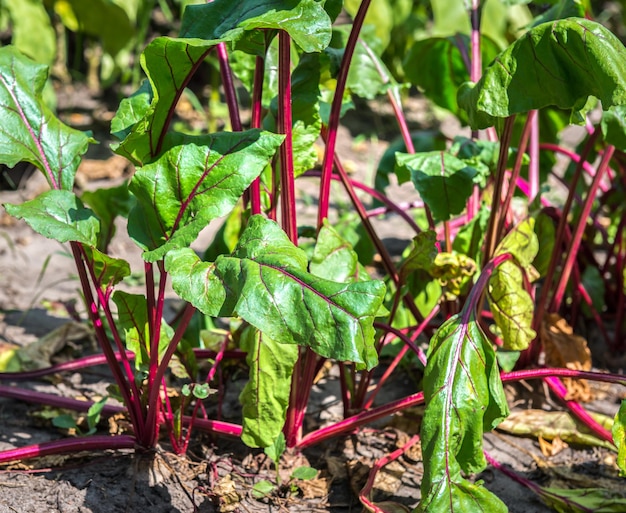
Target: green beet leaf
511,306
333,257
59,215
107,204
560,10
30,131
619,437
197,180
32,32
614,126
108,271
583,500
132,314
464,398
266,395
265,282
444,182
559,63
131,110
522,243
306,21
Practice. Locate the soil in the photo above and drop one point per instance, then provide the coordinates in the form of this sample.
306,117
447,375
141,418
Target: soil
38,284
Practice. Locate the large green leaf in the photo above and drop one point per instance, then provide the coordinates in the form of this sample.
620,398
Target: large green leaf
306,21
197,180
33,33
583,500
266,395
560,64
443,181
265,282
59,215
333,257
464,398
30,131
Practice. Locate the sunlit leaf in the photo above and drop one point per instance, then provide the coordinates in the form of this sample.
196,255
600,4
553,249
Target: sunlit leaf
32,31
520,242
197,180
131,110
560,63
422,254
333,257
560,10
265,282
59,215
266,395
108,271
30,131
511,306
443,181
464,398
614,126
619,437
583,500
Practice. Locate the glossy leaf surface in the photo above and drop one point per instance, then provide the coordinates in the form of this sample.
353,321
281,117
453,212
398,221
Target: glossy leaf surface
443,181
30,131
619,437
59,215
266,394
333,257
108,271
265,282
464,398
560,63
197,180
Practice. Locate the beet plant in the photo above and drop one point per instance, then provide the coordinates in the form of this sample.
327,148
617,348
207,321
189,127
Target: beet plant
468,281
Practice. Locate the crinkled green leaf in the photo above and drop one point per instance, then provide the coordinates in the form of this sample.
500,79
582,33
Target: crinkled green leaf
29,130
107,204
464,398
521,242
583,500
421,256
614,126
132,314
619,437
333,257
454,271
306,21
511,306
108,271
265,282
444,182
197,180
59,215
560,63
266,395
32,31
131,110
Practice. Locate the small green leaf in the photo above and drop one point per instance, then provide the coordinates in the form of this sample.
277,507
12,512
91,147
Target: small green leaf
304,473
583,58
262,489
333,257
619,437
186,390
276,449
59,215
107,204
30,132
443,181
93,414
266,395
131,110
613,126
265,282
464,398
64,421
421,256
201,390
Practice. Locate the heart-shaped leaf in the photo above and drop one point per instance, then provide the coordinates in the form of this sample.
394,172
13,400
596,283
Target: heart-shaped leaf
265,282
